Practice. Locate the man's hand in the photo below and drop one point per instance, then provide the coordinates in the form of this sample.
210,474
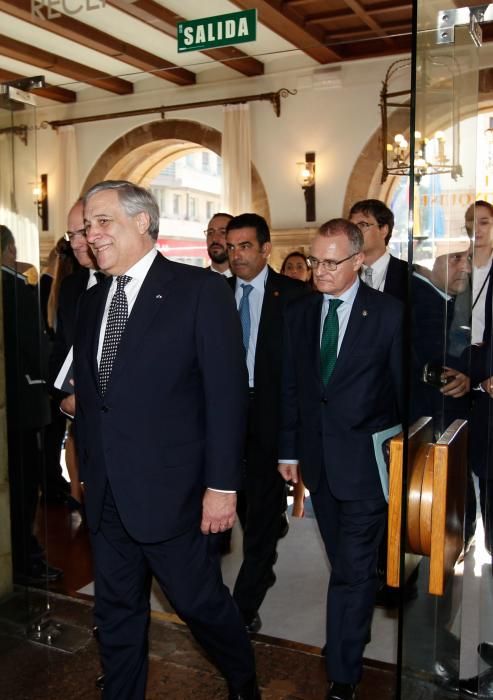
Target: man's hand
289,472
67,405
458,385
218,511
487,385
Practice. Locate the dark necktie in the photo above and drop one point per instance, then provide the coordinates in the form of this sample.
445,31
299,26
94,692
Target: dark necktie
244,311
115,325
100,277
330,337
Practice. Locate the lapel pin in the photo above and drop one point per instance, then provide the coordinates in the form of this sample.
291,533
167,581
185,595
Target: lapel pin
159,296
276,293
365,313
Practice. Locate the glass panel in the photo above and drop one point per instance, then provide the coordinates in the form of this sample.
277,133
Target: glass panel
24,361
444,126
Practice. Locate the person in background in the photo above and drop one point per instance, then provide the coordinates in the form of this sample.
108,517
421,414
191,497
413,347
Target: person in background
295,265
380,269
216,243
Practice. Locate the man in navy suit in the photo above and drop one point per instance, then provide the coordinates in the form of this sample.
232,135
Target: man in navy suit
380,269
159,433
342,379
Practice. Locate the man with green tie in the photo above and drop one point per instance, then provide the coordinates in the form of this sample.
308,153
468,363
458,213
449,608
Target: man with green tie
341,384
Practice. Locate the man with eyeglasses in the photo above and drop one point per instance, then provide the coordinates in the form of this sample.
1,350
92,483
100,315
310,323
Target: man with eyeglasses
216,243
380,269
341,384
71,289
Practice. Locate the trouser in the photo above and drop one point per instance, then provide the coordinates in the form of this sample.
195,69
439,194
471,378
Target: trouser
191,579
351,532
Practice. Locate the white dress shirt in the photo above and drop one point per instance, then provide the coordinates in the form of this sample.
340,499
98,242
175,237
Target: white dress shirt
479,289
379,269
138,273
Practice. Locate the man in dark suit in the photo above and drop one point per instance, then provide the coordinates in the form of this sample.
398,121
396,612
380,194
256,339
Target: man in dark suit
216,243
380,269
342,382
160,416
27,413
261,296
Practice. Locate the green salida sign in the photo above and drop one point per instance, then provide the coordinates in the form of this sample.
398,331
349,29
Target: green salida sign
221,30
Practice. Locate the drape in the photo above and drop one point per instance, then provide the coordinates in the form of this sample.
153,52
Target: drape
66,188
236,160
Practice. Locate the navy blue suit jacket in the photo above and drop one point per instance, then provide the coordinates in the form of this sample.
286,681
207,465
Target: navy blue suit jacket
172,420
331,427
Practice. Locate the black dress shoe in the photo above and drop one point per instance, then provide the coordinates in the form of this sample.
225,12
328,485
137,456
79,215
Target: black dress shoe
485,650
341,691
249,691
100,682
254,624
39,571
480,686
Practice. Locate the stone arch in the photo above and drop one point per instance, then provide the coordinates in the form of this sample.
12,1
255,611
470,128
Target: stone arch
142,152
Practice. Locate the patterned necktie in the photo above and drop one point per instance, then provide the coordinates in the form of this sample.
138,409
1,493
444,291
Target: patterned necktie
115,325
244,311
369,276
330,337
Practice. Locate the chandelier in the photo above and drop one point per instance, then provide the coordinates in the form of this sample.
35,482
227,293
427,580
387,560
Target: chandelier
433,155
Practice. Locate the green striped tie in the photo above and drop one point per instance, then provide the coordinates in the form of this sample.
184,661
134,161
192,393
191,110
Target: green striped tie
330,337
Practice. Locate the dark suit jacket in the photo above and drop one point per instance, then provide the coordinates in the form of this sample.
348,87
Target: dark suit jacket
396,278
71,289
172,420
331,427
481,417
265,416
26,352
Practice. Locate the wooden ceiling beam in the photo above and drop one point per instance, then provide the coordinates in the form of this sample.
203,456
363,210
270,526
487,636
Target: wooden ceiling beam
289,24
99,41
63,66
164,20
343,15
51,92
363,15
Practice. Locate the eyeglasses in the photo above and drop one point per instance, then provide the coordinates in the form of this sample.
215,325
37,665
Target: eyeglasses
365,225
327,265
211,231
70,235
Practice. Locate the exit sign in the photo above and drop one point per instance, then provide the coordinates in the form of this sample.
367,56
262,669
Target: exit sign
221,30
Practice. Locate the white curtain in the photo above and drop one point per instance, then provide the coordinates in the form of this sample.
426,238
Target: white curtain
236,158
24,230
66,189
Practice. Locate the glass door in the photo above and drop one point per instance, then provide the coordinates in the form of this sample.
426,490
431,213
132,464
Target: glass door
23,364
439,581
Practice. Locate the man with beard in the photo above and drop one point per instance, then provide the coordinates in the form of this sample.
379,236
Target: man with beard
216,243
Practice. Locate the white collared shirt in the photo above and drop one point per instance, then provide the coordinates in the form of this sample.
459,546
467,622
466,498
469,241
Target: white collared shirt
138,273
379,270
479,275
256,300
227,272
343,312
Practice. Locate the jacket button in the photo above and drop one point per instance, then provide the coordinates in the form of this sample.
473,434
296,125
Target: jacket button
324,400
104,409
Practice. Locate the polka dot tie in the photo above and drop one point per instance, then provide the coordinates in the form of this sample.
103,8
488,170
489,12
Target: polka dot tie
115,325
330,338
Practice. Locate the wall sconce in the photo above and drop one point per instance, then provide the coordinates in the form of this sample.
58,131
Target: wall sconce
306,178
40,194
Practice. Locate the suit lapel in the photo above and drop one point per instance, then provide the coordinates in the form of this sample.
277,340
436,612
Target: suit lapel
149,303
357,318
270,304
313,320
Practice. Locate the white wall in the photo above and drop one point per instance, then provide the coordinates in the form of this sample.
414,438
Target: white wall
334,122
